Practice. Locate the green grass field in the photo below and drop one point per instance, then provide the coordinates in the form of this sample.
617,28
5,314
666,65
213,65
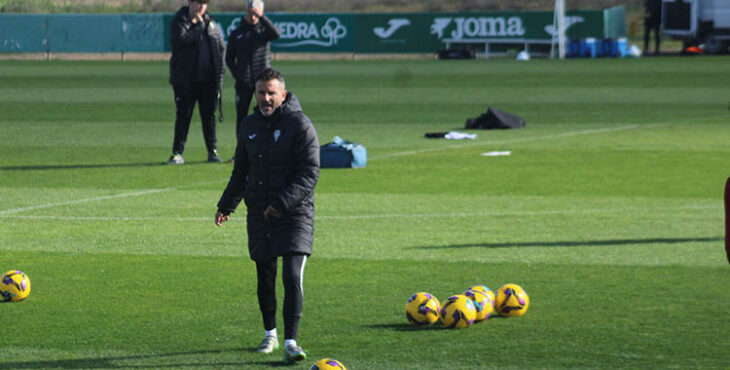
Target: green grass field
608,212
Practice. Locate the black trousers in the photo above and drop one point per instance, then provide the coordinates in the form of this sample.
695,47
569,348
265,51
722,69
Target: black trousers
206,95
652,24
292,275
244,93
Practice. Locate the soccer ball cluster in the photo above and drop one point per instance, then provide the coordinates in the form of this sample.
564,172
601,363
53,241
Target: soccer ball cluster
14,286
476,304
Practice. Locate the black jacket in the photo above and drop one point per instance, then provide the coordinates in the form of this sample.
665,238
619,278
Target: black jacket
185,40
276,163
653,10
248,51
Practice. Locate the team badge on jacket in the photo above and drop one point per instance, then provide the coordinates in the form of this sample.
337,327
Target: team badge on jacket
277,133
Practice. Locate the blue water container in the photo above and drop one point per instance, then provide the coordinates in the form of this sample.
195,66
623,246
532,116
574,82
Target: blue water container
587,48
582,48
592,47
609,48
572,49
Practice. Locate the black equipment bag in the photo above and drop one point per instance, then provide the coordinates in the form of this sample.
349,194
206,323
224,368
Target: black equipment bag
457,54
495,119
341,154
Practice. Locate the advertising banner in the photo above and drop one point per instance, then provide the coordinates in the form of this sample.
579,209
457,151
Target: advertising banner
423,33
303,32
308,32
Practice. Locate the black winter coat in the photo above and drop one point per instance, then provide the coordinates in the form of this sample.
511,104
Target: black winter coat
185,40
248,51
653,10
276,163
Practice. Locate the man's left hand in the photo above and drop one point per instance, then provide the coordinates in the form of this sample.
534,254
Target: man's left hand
271,212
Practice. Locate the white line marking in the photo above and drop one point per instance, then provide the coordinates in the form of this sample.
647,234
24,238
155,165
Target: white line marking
382,216
102,218
84,200
519,140
105,197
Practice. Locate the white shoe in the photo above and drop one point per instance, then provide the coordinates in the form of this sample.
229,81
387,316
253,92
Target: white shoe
176,159
294,354
268,344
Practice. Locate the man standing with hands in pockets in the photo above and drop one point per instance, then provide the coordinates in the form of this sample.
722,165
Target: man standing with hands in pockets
248,53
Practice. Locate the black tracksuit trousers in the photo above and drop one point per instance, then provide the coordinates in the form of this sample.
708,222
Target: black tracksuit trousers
206,94
292,275
244,94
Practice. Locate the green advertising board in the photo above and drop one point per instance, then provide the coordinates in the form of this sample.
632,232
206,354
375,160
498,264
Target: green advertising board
415,32
305,32
422,33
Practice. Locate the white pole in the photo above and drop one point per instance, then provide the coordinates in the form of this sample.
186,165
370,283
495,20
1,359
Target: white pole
560,18
558,36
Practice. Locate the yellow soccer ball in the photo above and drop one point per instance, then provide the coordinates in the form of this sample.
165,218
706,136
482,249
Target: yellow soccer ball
14,286
328,364
483,288
458,311
483,304
422,309
512,300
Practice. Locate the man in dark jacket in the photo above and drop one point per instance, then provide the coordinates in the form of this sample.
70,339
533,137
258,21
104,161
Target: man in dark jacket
248,53
652,22
276,167
196,74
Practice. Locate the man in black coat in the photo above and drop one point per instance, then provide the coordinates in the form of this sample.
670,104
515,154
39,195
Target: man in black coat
248,53
196,74
652,22
276,167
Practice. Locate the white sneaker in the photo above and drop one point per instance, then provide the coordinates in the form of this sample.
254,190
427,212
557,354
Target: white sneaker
294,354
176,159
268,344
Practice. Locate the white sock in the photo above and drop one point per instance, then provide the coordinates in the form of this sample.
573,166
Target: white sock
271,333
290,343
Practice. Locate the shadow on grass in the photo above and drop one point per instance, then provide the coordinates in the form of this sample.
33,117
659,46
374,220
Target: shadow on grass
404,327
148,359
586,243
90,166
408,327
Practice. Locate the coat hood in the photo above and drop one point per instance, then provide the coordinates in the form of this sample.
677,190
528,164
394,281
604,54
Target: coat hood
291,104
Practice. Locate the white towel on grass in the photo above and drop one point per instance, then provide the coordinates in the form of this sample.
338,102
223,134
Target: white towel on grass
455,135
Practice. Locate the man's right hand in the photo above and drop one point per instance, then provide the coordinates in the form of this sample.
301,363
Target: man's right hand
195,11
253,15
220,218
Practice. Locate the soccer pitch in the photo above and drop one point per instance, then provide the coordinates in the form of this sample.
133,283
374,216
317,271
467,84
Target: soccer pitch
608,212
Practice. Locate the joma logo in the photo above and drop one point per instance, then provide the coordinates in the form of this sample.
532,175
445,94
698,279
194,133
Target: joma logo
465,27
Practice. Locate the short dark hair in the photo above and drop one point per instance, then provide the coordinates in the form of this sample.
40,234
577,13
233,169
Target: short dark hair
269,74
200,1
